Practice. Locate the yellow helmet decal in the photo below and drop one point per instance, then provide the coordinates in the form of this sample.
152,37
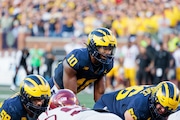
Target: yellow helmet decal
37,89
168,95
102,37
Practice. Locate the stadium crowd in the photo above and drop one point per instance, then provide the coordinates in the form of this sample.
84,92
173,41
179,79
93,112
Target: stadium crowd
65,18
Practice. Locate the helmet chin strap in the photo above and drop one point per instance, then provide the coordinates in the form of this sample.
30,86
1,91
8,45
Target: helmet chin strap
98,60
94,61
95,64
32,117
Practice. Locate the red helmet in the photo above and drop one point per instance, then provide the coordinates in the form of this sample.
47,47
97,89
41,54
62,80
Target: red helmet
63,97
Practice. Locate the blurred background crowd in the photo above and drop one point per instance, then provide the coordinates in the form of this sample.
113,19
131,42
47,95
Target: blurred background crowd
148,29
67,18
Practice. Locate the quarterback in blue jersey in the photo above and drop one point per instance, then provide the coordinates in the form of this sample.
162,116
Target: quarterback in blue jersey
32,100
81,67
142,102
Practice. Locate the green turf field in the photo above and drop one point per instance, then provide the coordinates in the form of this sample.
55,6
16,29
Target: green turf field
84,98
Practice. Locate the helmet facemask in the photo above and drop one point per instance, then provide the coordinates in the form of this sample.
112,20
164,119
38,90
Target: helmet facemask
100,57
35,94
166,95
33,109
101,41
154,111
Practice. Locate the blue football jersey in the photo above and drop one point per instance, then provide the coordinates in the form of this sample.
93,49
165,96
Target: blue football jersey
134,99
12,109
79,60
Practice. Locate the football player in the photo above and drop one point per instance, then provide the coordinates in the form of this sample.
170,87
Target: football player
30,102
142,102
64,106
81,67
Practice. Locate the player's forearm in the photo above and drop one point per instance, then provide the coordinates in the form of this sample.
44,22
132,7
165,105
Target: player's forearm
99,89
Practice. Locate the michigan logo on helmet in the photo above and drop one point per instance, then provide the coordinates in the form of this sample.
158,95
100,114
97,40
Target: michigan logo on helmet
167,94
35,87
102,37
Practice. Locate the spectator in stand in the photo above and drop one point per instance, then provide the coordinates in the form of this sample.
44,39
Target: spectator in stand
78,26
118,26
38,28
164,26
56,30
6,21
67,27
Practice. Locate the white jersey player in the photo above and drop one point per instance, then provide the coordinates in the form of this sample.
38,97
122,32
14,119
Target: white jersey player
174,116
76,112
63,106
